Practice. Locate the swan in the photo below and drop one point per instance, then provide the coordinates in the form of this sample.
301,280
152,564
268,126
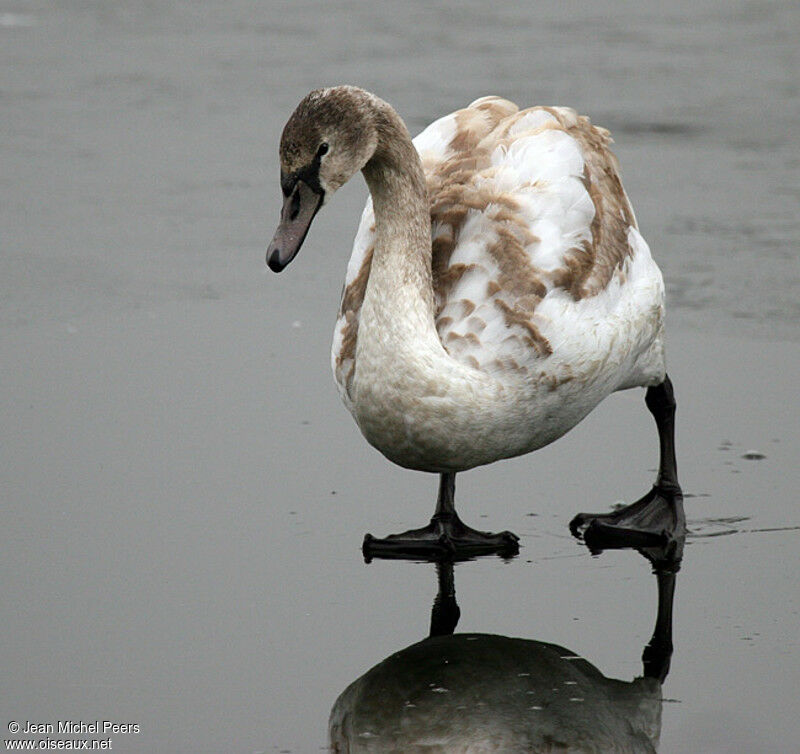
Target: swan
497,291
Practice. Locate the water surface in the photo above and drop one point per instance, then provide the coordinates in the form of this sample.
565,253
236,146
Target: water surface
184,496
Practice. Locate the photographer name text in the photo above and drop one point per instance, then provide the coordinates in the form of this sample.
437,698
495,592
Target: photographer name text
77,726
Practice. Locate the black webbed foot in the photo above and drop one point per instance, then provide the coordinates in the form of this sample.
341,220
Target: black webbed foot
445,535
654,525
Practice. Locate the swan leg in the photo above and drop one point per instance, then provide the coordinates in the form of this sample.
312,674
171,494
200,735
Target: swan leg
655,524
445,535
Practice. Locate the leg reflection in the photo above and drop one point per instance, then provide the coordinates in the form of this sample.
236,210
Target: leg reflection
445,611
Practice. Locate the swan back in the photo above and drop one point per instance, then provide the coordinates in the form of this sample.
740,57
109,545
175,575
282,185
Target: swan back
527,208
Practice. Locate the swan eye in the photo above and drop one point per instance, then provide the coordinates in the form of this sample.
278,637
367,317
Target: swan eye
323,149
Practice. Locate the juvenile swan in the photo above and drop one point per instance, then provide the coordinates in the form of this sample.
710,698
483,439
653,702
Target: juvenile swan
497,291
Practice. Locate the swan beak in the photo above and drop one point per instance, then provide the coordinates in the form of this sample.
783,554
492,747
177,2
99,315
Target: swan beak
299,208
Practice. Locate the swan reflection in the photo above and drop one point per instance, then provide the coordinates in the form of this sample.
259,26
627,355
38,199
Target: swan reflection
481,693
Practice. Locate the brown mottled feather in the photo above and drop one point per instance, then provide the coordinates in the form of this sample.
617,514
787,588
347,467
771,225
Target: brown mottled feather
459,185
590,267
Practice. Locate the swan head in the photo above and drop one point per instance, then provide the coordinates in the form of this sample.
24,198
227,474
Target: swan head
328,138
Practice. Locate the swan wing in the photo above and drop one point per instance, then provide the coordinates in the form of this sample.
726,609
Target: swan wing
538,265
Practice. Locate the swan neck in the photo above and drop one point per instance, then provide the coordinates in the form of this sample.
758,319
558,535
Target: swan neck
400,201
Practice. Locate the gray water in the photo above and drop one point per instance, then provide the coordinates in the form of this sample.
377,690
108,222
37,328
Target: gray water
183,495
